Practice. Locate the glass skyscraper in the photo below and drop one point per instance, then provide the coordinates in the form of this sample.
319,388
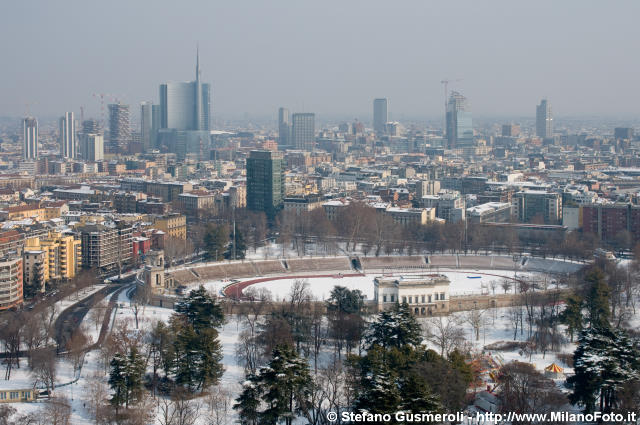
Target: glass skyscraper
459,122
544,120
265,182
186,105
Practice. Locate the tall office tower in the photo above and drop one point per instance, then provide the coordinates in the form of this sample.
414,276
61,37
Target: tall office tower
89,126
544,120
93,149
146,125
30,138
284,129
380,115
68,136
186,105
459,122
265,182
303,131
622,133
156,120
119,129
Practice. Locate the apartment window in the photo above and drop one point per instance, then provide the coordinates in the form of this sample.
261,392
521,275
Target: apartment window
393,298
384,298
442,295
429,298
423,299
3,395
404,299
410,300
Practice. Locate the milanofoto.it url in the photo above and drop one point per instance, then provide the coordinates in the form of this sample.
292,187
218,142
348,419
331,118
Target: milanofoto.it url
487,417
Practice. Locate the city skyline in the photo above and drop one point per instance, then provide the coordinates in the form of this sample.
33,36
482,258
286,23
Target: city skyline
500,74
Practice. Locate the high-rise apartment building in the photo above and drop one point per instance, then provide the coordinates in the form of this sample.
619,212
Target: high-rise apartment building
459,122
119,129
380,115
265,182
284,129
68,148
11,282
303,131
106,248
544,120
30,138
93,147
538,206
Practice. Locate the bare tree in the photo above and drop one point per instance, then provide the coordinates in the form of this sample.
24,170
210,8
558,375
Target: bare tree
11,336
44,367
34,334
178,410
96,315
444,332
57,411
219,403
505,285
98,397
77,347
475,318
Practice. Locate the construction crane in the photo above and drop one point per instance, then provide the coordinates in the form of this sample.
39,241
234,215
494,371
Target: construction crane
446,82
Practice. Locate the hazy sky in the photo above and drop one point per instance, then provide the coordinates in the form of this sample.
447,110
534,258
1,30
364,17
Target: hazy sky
331,57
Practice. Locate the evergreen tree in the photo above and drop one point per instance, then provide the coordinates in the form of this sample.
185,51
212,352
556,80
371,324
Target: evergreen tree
283,387
378,389
208,359
394,328
135,370
185,352
248,403
459,363
240,246
597,301
572,315
215,240
345,301
118,380
201,310
605,360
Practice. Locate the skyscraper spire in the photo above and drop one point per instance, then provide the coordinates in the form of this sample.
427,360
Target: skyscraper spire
198,87
197,62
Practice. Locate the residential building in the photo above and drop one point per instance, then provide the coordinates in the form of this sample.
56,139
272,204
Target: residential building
298,205
411,216
265,182
119,129
196,203
425,295
93,147
35,270
68,148
175,225
538,205
106,247
303,131
491,212
11,278
62,253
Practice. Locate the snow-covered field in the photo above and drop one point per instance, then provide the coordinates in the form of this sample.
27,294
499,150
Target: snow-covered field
463,282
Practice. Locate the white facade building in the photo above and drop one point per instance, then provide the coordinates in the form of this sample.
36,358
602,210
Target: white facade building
426,295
